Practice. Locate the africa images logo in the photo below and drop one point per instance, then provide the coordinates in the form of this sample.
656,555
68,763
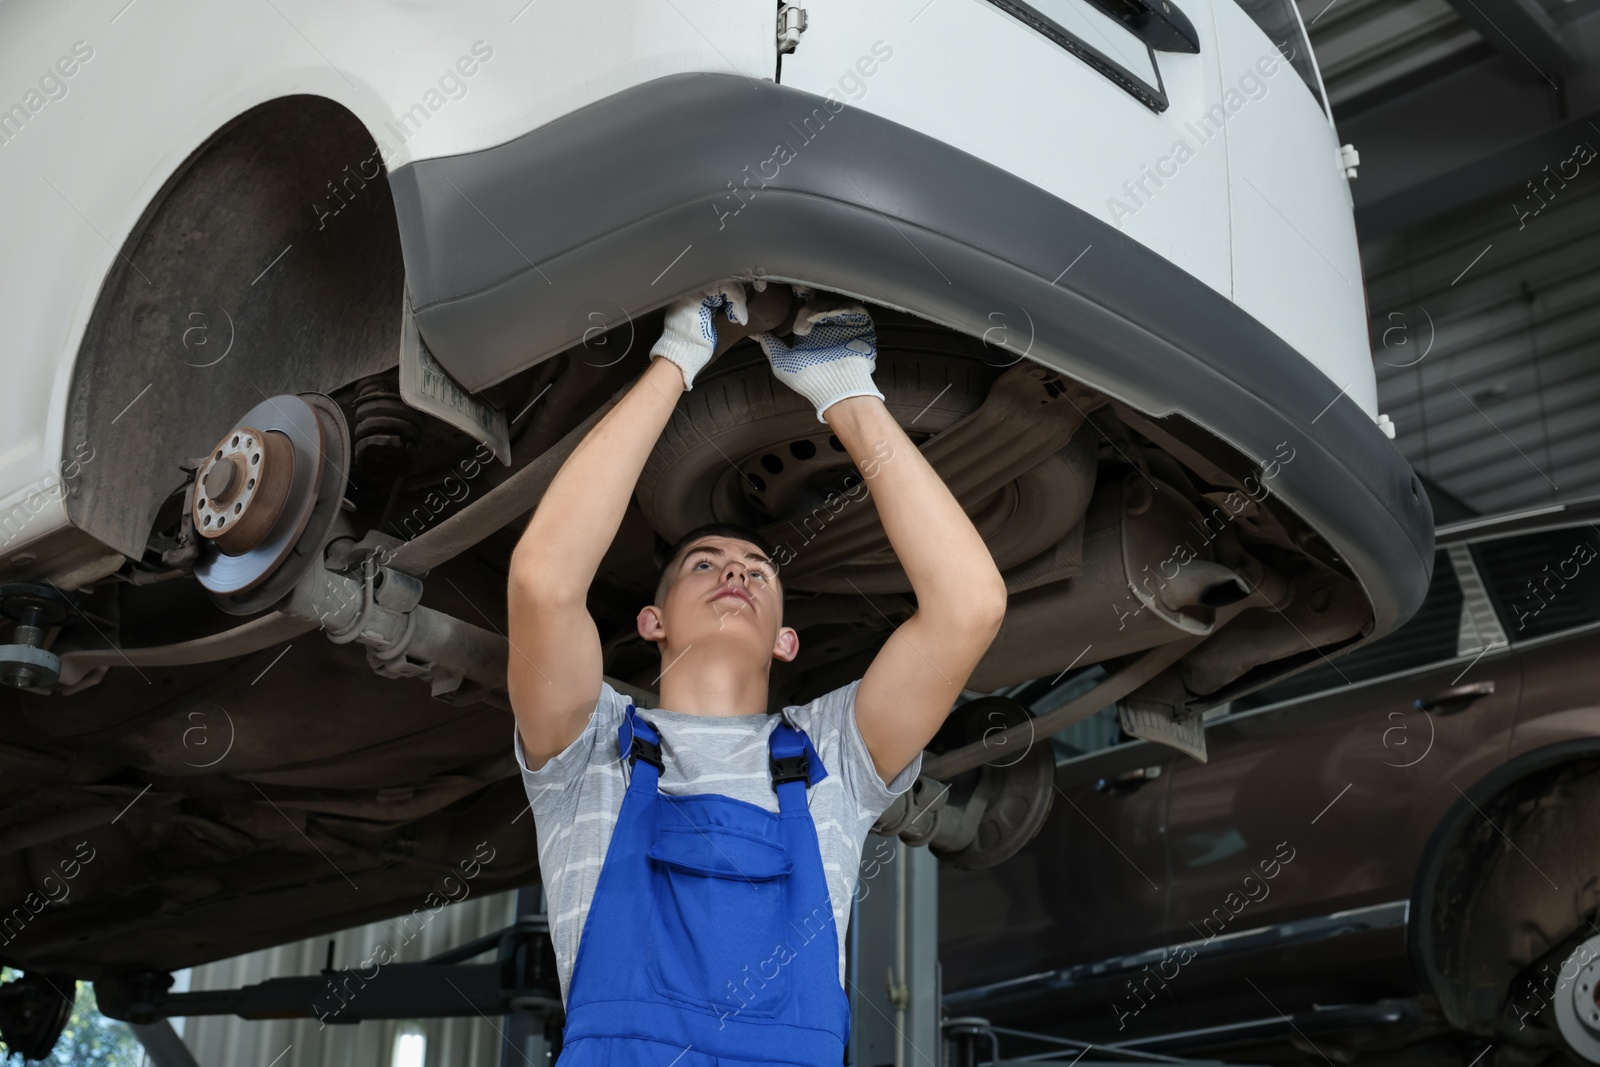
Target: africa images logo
52,85
852,83
451,85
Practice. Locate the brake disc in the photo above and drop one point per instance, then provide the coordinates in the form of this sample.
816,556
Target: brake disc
1578,1005
1011,794
264,501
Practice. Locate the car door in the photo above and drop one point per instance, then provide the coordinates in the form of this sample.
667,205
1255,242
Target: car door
1546,585
1090,885
1295,830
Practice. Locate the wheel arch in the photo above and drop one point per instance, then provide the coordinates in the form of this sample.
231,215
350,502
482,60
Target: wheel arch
266,263
1437,902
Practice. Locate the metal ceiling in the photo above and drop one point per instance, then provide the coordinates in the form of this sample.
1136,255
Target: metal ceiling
1483,290
1487,339
1365,47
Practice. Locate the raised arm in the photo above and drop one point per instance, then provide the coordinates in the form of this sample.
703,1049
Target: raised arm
961,598
916,677
555,660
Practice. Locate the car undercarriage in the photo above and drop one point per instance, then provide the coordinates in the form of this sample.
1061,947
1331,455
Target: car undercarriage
215,765
256,672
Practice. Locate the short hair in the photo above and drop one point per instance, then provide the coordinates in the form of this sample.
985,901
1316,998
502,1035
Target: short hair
711,529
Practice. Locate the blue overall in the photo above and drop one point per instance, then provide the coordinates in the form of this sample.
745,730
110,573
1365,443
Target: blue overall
710,939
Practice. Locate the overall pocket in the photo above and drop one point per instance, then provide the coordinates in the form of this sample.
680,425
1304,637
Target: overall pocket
721,897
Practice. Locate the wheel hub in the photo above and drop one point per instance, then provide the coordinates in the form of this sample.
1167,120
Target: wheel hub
266,497
790,479
25,663
1014,786
1578,1005
243,487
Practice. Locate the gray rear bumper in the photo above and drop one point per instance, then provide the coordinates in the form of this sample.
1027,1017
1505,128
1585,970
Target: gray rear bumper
511,253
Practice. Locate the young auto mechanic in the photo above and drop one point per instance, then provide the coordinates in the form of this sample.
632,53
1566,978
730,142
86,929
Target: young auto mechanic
699,858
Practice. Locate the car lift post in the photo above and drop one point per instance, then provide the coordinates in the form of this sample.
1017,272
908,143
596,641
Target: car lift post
163,1044
894,965
519,981
526,1038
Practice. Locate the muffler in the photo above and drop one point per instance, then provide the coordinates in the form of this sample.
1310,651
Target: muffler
1149,576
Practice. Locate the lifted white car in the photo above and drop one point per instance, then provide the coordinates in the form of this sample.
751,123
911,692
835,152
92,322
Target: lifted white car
310,302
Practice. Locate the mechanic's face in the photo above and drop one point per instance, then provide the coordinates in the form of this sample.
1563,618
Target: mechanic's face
723,591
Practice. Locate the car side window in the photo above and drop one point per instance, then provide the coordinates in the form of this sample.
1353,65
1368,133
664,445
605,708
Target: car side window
1430,636
1099,731
1543,583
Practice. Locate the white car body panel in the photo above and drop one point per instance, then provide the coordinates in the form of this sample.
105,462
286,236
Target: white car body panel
976,78
1296,263
165,75
1018,113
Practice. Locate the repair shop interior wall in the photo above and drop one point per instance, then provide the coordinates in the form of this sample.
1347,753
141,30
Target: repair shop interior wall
226,1039
1485,325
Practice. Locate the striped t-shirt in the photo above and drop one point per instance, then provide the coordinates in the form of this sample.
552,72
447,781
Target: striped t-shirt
577,795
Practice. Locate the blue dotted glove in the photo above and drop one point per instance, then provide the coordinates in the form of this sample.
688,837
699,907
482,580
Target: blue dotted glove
832,358
690,336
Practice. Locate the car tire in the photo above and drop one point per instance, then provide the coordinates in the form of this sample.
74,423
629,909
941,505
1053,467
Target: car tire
1516,897
745,422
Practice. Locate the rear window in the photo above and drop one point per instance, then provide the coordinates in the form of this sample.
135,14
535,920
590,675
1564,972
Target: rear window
1098,39
1543,583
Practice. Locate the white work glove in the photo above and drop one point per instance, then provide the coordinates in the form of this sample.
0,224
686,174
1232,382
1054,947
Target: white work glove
690,336
832,358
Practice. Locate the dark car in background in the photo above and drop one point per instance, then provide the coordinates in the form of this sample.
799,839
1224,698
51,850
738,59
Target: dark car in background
1390,846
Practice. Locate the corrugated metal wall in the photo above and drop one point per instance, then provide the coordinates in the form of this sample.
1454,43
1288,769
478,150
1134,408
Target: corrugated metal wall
1484,324
1487,335
226,1041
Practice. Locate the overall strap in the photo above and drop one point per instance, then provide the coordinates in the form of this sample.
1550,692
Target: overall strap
639,742
795,766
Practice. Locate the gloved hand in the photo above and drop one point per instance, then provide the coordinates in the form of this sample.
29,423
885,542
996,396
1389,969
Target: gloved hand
690,336
834,354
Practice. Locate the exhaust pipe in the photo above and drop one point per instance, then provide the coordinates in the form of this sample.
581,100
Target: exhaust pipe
1148,577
